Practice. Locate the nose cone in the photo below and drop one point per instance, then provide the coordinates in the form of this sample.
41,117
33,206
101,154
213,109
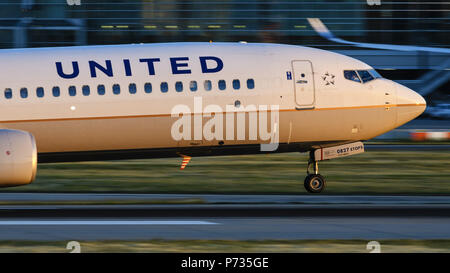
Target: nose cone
410,105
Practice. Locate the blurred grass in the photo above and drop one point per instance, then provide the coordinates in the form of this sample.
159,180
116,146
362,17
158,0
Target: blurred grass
221,246
381,172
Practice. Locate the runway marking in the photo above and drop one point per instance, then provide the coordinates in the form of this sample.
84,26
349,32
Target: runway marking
102,223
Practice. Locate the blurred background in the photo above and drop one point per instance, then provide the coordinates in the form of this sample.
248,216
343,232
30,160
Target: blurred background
394,165
39,23
42,23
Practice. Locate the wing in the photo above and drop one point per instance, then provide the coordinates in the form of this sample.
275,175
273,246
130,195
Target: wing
323,31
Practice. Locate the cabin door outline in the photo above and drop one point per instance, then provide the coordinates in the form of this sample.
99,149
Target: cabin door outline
304,87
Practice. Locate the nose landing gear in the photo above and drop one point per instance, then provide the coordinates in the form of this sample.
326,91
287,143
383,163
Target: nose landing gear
314,182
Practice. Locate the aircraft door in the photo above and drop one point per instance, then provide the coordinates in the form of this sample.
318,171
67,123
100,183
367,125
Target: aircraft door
303,84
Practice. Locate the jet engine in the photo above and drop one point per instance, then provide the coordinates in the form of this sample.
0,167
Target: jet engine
18,158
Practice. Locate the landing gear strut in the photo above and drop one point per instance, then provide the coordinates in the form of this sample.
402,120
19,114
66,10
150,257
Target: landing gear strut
314,182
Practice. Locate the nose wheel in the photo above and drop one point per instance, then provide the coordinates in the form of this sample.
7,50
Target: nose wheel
314,182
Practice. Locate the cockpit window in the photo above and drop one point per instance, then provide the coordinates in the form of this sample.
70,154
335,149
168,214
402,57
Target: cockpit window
365,75
351,75
375,74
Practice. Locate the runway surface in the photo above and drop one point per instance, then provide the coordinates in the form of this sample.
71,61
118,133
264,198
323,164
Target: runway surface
256,217
12,198
367,228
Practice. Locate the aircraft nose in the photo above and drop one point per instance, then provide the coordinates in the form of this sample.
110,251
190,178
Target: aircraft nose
410,105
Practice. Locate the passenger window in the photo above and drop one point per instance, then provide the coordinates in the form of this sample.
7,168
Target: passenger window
86,90
101,89
351,75
72,91
8,93
24,93
132,88
193,86
56,91
250,84
365,75
222,85
40,92
208,85
116,89
164,87
236,84
148,87
179,86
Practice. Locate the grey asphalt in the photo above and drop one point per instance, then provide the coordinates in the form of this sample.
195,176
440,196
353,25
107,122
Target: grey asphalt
227,198
238,228
227,217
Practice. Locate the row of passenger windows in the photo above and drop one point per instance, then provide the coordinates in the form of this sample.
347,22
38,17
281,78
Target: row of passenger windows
132,88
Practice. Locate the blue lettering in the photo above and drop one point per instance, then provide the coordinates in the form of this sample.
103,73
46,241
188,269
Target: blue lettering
127,66
206,69
75,73
289,75
108,70
179,65
175,65
151,67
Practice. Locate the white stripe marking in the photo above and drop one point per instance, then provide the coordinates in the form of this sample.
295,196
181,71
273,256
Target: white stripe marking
102,223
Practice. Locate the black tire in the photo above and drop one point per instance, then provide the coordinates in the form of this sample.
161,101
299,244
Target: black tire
315,183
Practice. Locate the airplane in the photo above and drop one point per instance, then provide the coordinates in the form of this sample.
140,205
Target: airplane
324,32
113,102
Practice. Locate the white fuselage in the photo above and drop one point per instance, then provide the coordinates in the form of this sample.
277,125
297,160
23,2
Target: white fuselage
317,104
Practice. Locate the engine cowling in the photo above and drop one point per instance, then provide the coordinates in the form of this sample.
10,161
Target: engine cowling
18,158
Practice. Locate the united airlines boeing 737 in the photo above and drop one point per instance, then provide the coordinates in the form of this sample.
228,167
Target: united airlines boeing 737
117,102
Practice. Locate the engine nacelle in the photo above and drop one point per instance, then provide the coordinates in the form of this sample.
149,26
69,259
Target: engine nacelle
18,158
